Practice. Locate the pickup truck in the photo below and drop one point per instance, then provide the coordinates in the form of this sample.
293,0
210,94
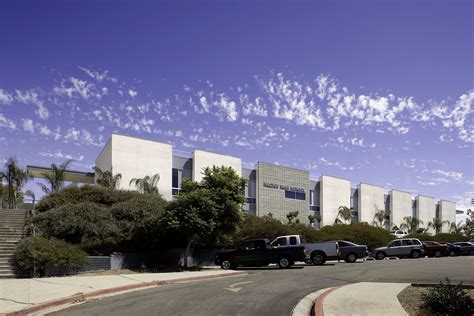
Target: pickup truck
257,252
316,253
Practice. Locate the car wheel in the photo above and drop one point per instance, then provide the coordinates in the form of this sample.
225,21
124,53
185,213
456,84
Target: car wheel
415,254
226,265
471,252
380,255
319,258
284,263
351,258
437,253
452,253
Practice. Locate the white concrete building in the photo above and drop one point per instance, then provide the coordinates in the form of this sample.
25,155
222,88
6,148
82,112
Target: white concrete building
447,212
425,210
370,201
400,206
203,159
334,192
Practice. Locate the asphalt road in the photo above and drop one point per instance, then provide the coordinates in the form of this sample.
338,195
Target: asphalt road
271,291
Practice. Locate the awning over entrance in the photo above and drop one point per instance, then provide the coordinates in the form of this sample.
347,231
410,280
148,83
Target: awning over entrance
69,175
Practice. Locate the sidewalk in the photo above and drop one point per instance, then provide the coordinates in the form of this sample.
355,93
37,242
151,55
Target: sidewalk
363,298
31,294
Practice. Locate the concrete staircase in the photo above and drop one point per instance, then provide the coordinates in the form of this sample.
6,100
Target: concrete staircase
12,230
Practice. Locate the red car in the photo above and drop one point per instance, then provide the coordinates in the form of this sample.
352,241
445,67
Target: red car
434,249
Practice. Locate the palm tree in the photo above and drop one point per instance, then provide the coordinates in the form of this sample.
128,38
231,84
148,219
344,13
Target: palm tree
456,228
55,177
437,225
379,219
107,179
15,178
411,224
344,215
292,216
147,184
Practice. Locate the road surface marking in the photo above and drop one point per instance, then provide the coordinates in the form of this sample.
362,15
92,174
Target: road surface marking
235,289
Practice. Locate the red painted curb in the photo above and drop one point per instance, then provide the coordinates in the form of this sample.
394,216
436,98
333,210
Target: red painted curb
83,297
318,302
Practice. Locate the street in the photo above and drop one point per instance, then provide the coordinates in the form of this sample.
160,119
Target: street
271,291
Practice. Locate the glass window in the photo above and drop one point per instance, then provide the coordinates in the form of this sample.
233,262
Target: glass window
249,245
311,197
293,240
290,195
407,242
177,178
395,243
300,196
416,242
279,242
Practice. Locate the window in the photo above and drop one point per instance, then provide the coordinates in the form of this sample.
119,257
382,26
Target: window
249,245
295,195
177,177
251,200
279,242
407,242
416,242
311,198
395,243
293,240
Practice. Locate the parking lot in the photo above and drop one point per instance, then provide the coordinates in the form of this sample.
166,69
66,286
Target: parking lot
273,291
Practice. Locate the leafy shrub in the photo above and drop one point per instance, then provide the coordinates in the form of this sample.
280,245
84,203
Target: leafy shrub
448,299
359,233
439,237
88,225
87,193
42,251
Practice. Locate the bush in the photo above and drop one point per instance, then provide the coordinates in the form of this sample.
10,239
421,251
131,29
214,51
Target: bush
42,251
87,193
440,237
88,225
359,233
448,299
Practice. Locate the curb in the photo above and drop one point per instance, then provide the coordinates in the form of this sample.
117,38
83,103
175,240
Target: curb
462,286
318,302
84,297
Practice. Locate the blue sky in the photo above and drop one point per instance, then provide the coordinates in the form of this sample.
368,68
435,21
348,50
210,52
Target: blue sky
372,91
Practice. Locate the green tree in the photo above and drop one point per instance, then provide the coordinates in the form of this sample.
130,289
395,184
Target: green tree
210,209
456,228
147,184
344,215
410,224
107,179
468,228
55,178
15,178
379,219
292,216
436,224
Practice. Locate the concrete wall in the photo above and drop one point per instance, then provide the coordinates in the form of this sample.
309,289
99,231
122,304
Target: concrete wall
137,158
370,201
104,160
425,210
447,212
400,207
272,182
334,192
203,159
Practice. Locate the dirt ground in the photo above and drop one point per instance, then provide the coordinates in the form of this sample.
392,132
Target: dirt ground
410,298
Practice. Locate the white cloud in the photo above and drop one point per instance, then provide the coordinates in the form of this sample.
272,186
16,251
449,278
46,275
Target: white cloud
5,97
4,122
28,125
97,75
132,93
32,97
59,154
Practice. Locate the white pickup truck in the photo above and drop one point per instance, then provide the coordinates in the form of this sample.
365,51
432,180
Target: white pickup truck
316,253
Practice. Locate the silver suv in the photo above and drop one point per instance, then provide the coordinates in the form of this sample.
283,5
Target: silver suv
406,247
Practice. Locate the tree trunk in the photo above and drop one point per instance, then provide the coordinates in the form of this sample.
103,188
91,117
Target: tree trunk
187,250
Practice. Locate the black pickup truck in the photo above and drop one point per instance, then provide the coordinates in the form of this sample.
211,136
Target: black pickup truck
258,252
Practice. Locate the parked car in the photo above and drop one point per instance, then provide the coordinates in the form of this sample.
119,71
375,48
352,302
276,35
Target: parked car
466,248
454,250
399,233
408,247
258,252
316,253
434,249
350,252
